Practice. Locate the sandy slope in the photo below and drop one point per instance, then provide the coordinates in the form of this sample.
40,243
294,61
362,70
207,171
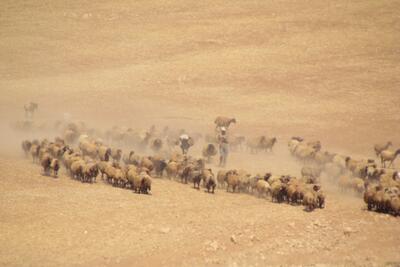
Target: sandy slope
48,221
326,71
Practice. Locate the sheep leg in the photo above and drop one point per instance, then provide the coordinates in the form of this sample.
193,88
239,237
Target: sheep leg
390,164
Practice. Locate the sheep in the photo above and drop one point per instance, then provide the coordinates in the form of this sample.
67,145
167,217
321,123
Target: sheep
172,169
339,161
332,170
320,199
209,151
221,121
344,182
191,173
357,184
323,158
196,178
369,193
388,156
55,166
378,148
269,144
56,150
236,142
88,149
312,172
295,191
221,178
395,206
277,191
110,173
69,158
71,136
244,180
232,180
159,165
253,182
263,188
146,163
156,144
119,178
255,144
116,154
90,172
30,109
77,169
134,180
145,185
209,180
293,143
34,151
310,200
104,153
305,152
26,146
45,162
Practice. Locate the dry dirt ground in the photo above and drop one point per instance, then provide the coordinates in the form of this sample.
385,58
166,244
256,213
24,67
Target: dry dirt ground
326,70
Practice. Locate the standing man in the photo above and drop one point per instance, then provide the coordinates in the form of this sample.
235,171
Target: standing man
223,146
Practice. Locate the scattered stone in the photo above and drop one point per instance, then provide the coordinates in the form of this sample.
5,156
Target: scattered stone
233,239
165,230
214,245
348,230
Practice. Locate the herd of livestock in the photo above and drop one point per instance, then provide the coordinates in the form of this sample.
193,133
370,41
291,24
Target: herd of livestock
86,154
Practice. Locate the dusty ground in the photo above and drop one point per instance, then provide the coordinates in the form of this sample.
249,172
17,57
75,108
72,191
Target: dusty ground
322,70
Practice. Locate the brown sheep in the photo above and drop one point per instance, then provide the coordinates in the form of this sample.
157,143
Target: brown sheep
110,173
156,144
263,188
34,151
209,151
104,153
147,163
358,185
134,180
77,169
221,121
90,172
276,191
26,146
395,206
236,142
369,194
381,147
232,180
310,200
172,169
256,144
388,156
145,185
55,166
46,162
116,154
221,178
159,165
244,180
269,144
209,180
312,172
